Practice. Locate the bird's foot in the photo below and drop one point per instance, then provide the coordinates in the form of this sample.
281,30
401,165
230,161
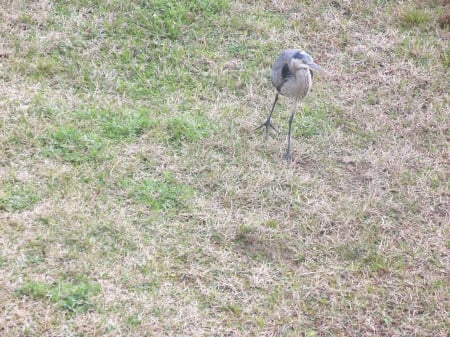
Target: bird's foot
268,125
288,156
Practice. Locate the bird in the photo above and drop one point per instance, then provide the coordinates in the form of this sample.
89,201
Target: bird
292,75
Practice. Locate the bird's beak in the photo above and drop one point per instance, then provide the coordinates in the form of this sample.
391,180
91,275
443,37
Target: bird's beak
316,67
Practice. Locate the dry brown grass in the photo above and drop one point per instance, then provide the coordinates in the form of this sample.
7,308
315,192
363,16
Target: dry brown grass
187,221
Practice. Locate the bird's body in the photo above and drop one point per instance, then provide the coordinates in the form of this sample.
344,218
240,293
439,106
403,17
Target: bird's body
292,75
299,83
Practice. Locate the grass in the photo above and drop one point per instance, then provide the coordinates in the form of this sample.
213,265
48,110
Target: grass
162,195
136,198
73,297
414,17
18,197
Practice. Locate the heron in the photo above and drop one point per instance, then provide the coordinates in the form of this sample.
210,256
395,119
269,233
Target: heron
292,75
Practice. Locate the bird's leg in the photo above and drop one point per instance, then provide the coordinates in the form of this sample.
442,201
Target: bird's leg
267,123
291,118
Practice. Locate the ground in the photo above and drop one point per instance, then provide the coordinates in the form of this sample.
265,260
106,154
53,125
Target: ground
137,199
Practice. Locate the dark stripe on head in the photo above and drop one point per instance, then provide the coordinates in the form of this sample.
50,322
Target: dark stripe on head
303,56
299,55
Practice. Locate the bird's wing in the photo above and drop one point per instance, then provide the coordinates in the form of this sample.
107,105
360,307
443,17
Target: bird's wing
285,74
280,69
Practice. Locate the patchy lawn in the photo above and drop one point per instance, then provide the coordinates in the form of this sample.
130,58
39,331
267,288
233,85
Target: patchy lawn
137,199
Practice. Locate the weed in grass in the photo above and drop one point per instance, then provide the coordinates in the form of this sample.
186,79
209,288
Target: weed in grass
74,296
414,17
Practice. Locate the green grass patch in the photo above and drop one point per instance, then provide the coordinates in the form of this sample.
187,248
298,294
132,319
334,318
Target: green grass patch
73,145
168,18
15,197
188,128
414,17
74,296
159,19
162,194
118,124
312,121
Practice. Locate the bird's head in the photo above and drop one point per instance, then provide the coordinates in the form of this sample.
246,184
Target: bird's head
302,59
